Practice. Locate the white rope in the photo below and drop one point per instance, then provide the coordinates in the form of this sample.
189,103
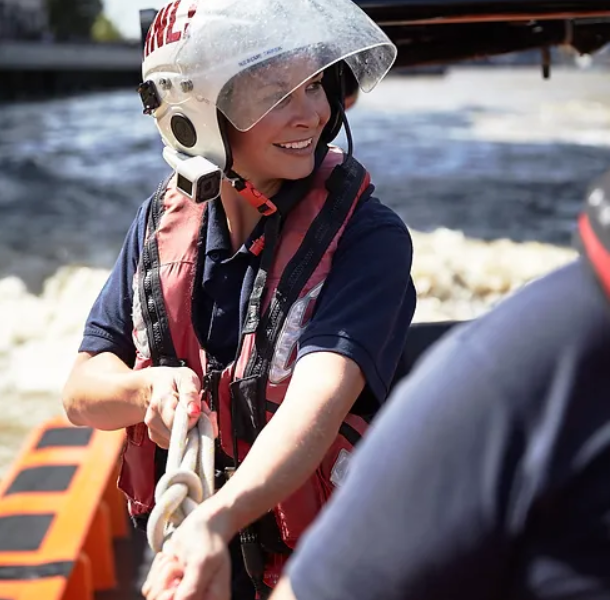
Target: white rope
188,479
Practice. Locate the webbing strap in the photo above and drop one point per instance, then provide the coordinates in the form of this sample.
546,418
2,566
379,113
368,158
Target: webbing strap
272,234
154,312
343,186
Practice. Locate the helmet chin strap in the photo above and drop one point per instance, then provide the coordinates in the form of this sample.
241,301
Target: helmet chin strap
348,130
252,196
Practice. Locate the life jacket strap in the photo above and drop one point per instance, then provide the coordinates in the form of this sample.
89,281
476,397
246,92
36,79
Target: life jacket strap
343,186
154,311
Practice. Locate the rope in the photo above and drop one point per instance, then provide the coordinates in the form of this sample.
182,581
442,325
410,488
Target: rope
188,478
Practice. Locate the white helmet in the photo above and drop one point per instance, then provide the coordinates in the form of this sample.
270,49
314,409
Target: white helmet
212,60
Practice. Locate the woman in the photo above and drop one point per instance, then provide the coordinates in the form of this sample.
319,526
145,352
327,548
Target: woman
263,274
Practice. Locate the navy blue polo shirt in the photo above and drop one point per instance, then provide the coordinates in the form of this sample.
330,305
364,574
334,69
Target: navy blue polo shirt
487,474
363,312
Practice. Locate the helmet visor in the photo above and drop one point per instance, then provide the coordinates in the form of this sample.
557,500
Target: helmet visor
247,56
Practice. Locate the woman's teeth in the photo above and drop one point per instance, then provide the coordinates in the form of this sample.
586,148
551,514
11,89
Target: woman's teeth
297,145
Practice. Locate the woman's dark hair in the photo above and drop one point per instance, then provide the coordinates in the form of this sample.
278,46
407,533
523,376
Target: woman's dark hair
350,83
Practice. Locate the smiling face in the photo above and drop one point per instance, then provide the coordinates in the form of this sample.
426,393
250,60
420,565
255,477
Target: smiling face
282,145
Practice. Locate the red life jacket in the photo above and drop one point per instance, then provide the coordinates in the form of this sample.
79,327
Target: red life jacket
294,266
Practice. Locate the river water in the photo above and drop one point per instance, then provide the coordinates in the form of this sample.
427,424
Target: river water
492,153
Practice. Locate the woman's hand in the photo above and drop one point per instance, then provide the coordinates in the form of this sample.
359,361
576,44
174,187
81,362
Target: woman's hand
195,563
168,387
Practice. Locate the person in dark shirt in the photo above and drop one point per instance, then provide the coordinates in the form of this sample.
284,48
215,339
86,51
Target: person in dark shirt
487,475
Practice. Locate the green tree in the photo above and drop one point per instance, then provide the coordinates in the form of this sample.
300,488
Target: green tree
72,19
104,30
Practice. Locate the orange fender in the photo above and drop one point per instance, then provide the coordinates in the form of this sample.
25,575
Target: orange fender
60,511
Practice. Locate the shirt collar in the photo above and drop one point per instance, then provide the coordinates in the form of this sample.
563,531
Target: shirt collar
218,241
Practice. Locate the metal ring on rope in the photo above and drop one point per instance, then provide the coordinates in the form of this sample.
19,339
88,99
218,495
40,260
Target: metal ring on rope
188,479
